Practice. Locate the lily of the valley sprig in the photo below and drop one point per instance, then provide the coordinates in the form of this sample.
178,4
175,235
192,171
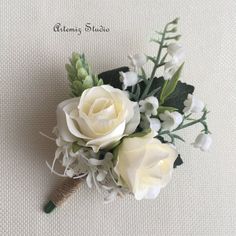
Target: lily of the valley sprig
120,129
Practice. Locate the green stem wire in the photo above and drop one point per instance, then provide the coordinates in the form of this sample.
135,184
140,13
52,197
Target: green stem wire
157,63
181,126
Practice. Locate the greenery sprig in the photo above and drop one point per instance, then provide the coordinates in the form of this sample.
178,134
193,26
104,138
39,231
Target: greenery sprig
80,75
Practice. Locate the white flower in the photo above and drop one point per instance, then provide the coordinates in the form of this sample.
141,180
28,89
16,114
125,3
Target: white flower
178,55
144,165
101,117
150,123
149,106
193,104
129,78
171,120
203,141
138,60
169,70
154,123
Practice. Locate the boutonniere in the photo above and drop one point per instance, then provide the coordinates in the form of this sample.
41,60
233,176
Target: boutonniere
119,131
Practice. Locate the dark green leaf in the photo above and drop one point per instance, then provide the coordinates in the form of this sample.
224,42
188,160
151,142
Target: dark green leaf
178,161
162,109
177,98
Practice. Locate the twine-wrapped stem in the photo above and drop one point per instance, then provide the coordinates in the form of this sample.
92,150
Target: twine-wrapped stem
62,193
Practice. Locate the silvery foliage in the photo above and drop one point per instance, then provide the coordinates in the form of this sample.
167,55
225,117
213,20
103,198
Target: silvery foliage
96,168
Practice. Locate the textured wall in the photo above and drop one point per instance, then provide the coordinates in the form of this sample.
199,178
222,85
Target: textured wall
200,200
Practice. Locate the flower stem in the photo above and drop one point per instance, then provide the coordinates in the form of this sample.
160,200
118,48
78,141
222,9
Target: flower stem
156,65
183,126
159,53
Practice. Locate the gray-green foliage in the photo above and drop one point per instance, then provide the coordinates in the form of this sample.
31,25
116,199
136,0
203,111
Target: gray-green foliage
80,75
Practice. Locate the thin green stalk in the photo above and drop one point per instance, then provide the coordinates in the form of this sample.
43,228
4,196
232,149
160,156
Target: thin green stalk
181,126
156,65
159,52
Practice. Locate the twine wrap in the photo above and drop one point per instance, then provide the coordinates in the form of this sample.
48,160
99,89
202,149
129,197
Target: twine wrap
62,193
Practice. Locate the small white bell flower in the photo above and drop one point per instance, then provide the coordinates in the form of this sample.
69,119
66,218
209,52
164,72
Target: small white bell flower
138,60
171,120
203,141
155,124
150,123
193,104
129,78
177,53
149,106
169,70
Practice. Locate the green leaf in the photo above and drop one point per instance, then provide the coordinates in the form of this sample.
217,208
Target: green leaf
162,109
75,57
177,98
152,59
79,64
153,92
178,137
88,82
71,71
95,79
71,78
77,87
170,85
144,76
81,73
137,92
100,82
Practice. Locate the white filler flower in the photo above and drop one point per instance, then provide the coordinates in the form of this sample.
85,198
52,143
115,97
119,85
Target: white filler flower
138,60
149,106
129,78
171,120
144,165
203,141
101,117
193,104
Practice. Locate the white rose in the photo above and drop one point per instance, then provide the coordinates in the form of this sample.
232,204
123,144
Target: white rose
101,117
144,165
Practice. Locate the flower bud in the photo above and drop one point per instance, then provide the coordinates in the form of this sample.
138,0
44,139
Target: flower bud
81,73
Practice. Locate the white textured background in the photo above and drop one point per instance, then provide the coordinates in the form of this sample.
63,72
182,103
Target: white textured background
200,200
